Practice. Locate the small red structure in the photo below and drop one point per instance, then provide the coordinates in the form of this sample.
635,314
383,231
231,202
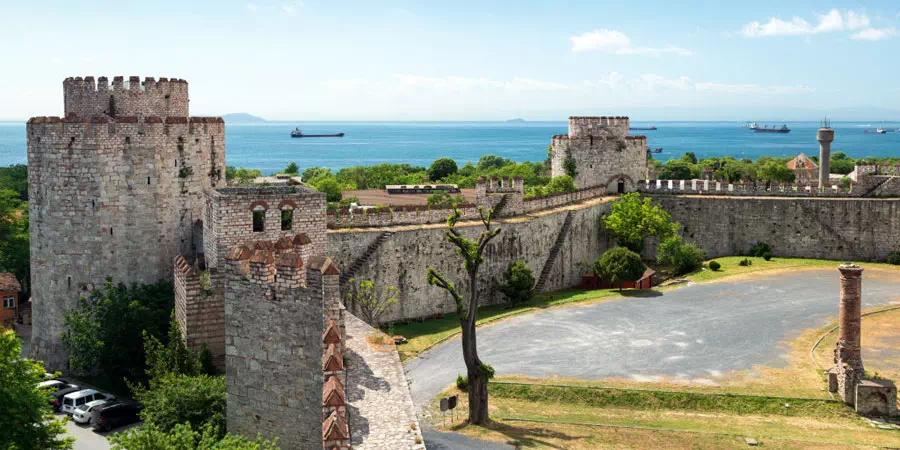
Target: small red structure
589,281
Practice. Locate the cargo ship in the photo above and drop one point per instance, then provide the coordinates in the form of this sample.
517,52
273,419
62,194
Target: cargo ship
297,133
766,129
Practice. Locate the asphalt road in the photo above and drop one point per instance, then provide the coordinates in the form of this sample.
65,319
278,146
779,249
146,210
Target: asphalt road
696,332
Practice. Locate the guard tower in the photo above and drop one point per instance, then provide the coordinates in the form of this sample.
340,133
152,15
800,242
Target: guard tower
825,136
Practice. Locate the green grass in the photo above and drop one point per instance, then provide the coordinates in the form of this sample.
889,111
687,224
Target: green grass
654,400
422,335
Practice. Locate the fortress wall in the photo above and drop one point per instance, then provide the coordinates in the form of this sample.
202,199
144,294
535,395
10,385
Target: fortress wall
111,198
840,229
402,259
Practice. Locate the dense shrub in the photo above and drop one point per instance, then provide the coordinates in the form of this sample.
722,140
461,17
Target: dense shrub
683,257
745,262
176,399
894,258
185,437
767,256
518,284
634,218
760,249
714,265
619,264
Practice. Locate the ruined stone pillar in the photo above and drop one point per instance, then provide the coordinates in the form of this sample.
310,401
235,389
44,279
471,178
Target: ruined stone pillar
849,315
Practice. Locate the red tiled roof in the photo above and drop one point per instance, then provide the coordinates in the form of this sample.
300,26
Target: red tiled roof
8,282
802,161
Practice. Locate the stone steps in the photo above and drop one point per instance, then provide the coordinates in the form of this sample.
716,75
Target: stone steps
554,251
351,271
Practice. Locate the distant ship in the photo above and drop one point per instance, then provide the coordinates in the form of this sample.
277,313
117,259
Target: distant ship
642,129
655,150
750,125
766,129
297,133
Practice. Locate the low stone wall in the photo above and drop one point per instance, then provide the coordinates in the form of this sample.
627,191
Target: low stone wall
838,229
401,260
707,187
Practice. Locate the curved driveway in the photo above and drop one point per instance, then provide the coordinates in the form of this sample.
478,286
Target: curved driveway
698,331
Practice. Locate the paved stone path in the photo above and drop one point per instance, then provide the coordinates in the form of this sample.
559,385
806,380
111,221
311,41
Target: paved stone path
382,415
697,332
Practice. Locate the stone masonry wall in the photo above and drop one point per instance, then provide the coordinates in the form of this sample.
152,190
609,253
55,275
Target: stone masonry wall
603,152
112,197
401,260
838,229
229,217
274,324
84,97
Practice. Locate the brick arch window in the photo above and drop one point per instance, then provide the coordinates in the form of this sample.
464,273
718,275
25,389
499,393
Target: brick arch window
287,214
259,218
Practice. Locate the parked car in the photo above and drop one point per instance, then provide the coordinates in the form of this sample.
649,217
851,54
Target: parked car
107,417
76,399
83,413
56,398
53,385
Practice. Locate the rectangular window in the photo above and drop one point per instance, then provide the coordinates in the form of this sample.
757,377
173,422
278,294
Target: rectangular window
259,221
287,219
9,301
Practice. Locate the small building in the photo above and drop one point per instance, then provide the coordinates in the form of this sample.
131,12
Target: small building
9,294
805,169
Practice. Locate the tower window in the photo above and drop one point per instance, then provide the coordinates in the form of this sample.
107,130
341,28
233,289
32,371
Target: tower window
110,231
148,180
259,219
287,219
127,139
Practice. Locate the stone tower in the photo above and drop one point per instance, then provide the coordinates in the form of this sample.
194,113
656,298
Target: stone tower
601,152
116,189
825,136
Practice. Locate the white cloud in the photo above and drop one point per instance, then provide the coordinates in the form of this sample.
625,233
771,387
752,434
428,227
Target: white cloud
833,21
291,7
57,60
616,42
252,7
874,34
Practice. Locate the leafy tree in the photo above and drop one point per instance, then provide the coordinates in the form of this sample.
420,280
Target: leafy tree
677,169
776,171
841,163
331,188
361,296
467,170
15,177
619,264
241,175
27,421
689,158
105,330
172,399
559,184
184,437
634,218
171,357
518,286
14,246
440,168
491,162
472,253
315,173
683,257
292,169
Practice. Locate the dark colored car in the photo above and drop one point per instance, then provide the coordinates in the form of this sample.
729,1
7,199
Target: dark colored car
113,416
56,398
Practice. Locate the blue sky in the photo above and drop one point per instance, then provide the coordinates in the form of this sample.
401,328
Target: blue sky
463,60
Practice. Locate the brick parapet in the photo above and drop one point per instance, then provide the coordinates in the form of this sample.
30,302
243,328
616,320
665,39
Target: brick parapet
707,187
200,310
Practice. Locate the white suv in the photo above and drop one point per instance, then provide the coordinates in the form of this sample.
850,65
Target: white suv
76,399
83,413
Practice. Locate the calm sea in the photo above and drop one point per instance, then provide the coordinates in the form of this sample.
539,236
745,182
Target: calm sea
269,147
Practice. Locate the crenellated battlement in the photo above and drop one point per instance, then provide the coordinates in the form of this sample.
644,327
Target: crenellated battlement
87,97
584,127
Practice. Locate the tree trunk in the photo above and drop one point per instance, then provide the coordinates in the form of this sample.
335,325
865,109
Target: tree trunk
478,397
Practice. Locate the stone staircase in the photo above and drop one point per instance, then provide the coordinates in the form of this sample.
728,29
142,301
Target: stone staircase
350,271
498,209
554,251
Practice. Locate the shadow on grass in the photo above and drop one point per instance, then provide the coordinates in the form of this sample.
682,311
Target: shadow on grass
524,437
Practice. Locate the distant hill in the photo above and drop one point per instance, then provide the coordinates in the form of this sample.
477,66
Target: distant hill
516,120
242,118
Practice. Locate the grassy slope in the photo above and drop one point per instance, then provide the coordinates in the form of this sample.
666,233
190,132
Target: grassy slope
422,335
